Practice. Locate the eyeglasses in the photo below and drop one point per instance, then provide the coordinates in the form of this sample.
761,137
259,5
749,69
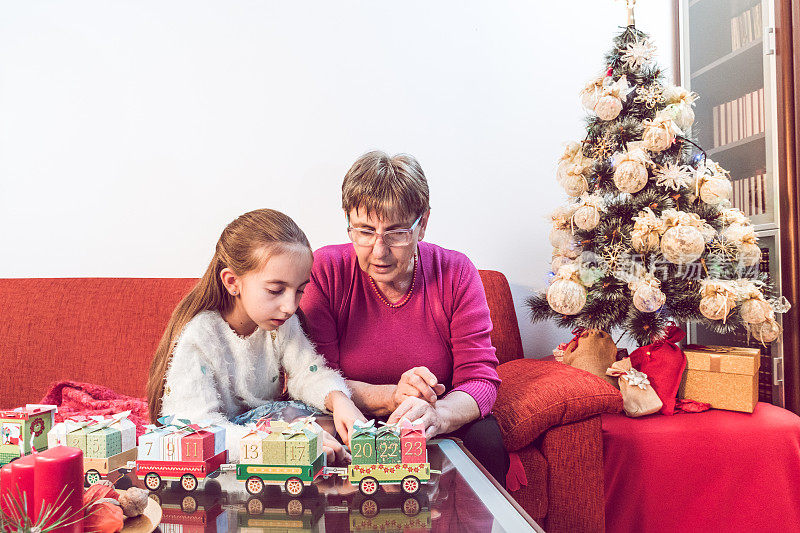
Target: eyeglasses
395,237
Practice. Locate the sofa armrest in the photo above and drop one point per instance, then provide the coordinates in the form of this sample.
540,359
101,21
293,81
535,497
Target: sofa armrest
537,395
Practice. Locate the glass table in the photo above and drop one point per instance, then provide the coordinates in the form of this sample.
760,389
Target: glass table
460,497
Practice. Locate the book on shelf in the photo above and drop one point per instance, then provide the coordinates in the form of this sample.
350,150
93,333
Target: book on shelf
750,194
746,27
738,119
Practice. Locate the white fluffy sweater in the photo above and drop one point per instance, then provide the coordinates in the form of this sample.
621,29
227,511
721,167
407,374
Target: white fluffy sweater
215,375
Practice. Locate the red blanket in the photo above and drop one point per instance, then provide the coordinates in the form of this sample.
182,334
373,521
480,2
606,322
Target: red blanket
86,399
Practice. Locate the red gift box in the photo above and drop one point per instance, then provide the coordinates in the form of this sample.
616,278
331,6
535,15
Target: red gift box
412,443
197,446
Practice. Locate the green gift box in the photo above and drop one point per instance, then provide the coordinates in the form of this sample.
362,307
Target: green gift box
77,439
274,445
387,444
103,443
362,443
301,444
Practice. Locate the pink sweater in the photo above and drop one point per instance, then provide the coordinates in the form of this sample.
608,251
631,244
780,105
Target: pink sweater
445,324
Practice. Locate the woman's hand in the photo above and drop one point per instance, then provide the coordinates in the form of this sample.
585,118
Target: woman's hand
345,413
335,452
417,382
418,410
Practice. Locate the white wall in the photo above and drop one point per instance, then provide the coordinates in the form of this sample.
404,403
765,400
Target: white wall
132,131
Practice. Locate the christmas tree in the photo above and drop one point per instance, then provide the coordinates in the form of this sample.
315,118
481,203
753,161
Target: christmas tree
649,236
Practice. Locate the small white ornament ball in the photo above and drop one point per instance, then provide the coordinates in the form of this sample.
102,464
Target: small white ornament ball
630,176
608,107
749,254
682,244
560,238
587,217
756,311
575,184
766,331
717,307
648,299
590,96
566,297
646,242
681,113
656,139
559,261
716,190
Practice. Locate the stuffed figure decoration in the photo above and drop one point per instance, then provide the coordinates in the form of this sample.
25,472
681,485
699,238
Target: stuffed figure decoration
663,362
592,350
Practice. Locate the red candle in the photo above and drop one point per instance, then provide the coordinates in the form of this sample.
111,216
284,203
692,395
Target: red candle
58,482
5,490
21,483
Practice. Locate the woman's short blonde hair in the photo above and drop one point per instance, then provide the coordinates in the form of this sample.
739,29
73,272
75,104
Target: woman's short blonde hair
389,187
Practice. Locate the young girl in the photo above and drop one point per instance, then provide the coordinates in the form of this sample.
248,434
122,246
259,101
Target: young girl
231,337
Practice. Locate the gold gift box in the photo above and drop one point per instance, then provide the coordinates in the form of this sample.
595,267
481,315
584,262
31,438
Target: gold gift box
724,376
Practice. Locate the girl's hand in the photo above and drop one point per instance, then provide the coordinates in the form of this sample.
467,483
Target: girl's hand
417,382
418,410
345,413
335,452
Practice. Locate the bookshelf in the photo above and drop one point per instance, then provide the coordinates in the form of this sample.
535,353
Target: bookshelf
727,56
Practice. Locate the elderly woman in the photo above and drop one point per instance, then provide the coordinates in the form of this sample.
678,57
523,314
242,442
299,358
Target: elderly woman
406,321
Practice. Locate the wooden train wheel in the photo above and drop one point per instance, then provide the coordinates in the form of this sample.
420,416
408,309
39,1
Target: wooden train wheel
255,506
152,481
254,485
368,486
410,485
188,482
294,507
92,477
189,504
294,486
411,507
369,508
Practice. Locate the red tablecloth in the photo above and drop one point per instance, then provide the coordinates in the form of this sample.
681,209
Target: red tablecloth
715,471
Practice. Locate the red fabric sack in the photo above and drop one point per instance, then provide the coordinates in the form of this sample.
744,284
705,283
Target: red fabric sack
664,363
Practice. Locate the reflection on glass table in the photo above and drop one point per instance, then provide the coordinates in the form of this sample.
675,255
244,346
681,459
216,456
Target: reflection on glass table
460,497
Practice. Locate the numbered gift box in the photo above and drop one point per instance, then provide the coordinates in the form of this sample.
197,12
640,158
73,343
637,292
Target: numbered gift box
387,444
301,444
412,442
179,440
362,443
309,424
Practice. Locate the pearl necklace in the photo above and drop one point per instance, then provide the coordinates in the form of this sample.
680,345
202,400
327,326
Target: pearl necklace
405,298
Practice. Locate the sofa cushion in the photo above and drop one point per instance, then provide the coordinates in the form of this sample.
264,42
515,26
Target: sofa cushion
537,395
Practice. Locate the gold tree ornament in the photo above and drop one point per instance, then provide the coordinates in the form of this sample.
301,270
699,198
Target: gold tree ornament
638,53
674,176
650,96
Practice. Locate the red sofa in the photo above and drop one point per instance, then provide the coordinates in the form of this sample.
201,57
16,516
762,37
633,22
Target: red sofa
105,330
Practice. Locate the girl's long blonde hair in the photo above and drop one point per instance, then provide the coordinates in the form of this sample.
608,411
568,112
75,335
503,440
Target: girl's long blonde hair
245,245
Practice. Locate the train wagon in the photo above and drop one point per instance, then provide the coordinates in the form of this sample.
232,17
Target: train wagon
294,478
108,443
23,430
179,451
